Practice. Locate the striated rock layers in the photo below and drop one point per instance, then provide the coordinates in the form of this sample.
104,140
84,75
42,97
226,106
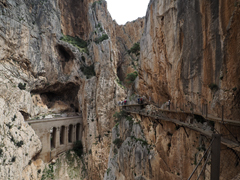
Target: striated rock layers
62,57
190,55
146,148
58,57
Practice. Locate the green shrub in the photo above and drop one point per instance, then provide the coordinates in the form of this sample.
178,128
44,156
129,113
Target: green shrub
135,49
100,39
22,86
13,159
9,125
213,87
77,42
131,77
120,83
48,172
108,170
98,25
118,142
96,2
78,148
19,144
88,71
14,117
119,115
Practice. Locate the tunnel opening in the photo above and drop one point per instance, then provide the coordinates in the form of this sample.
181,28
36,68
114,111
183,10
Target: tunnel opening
25,115
64,53
120,73
53,132
60,98
70,133
65,56
62,135
78,132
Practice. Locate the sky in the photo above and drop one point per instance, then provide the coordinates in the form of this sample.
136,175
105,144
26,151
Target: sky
127,10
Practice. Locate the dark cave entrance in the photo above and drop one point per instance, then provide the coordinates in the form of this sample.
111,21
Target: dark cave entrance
120,73
60,96
65,56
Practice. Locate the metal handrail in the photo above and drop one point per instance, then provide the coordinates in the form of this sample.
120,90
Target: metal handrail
201,159
204,165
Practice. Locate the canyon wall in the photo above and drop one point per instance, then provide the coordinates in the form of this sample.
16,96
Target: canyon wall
60,58
146,148
189,54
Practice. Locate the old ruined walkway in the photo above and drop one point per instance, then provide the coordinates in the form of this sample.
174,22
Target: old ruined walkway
138,109
57,134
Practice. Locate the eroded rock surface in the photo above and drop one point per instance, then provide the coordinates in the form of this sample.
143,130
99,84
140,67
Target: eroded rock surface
59,57
189,55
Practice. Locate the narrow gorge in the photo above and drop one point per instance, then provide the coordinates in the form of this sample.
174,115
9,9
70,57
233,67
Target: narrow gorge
66,68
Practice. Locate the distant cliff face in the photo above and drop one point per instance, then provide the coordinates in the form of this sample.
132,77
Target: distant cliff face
189,54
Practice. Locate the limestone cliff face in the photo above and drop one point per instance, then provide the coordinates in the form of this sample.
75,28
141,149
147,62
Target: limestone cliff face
189,54
44,73
126,36
145,148
61,57
74,18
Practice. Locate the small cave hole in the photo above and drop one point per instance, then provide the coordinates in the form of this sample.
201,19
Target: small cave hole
25,115
120,73
64,54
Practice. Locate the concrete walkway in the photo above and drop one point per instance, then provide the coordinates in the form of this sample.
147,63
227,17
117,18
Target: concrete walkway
57,134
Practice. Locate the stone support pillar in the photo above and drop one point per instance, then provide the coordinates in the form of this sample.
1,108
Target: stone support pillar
57,137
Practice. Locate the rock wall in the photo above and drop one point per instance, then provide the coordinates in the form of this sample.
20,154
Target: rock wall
152,150
189,54
145,148
46,69
67,57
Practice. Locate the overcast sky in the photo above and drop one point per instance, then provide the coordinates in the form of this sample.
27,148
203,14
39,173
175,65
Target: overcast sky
127,10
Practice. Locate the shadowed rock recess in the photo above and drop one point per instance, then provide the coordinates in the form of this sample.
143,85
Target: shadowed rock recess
69,59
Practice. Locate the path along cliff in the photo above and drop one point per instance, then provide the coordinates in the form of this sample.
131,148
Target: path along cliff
61,57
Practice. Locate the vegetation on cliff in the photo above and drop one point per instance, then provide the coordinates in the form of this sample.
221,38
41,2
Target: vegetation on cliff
88,71
77,42
131,77
101,39
135,49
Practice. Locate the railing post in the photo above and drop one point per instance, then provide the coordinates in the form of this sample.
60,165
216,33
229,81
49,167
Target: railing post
215,155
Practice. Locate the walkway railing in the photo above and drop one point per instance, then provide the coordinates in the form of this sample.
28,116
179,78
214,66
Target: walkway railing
213,151
226,133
